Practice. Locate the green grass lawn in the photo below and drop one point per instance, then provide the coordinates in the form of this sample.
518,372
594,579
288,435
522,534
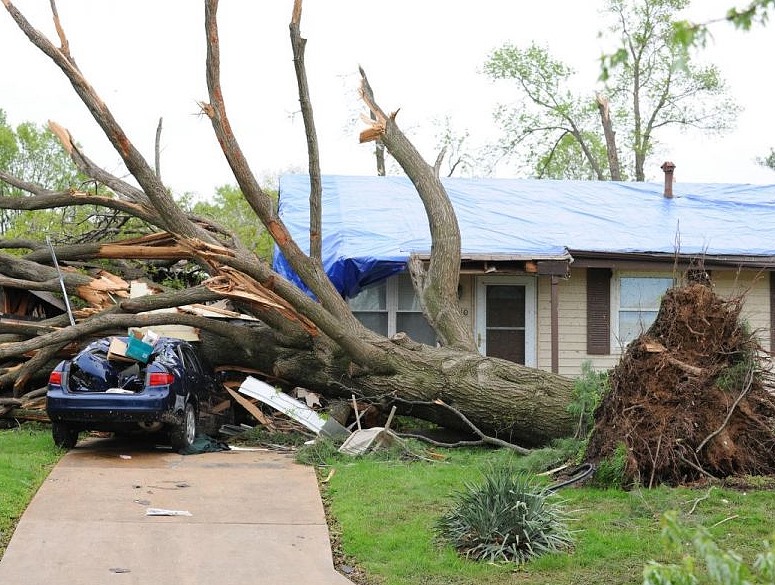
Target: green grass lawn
27,454
386,511
385,508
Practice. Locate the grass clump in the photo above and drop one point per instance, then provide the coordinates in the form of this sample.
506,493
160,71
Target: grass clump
27,454
509,517
320,453
260,436
610,472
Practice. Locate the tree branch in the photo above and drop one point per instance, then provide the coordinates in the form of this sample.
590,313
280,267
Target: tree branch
439,297
316,190
342,323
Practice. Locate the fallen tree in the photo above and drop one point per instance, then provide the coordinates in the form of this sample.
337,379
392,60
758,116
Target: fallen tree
316,343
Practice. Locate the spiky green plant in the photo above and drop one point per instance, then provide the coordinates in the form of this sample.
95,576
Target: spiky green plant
588,391
509,517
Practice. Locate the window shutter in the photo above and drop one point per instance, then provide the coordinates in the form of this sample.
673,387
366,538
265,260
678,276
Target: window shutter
598,311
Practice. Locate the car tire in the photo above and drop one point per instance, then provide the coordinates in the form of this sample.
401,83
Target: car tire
64,435
184,433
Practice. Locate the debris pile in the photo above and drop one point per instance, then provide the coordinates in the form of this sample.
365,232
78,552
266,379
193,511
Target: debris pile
689,398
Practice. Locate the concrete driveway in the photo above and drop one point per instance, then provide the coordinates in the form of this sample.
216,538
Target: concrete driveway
255,517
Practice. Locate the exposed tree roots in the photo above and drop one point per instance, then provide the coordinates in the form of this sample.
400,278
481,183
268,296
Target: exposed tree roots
689,399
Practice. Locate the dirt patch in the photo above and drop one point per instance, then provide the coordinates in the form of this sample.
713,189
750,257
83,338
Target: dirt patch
689,398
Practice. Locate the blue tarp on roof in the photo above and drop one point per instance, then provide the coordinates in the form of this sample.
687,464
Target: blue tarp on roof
371,225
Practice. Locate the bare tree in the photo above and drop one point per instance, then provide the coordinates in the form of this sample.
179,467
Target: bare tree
316,343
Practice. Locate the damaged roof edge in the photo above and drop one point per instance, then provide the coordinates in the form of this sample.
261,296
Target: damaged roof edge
604,259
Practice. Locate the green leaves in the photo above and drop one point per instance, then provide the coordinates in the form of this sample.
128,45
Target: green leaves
722,567
230,208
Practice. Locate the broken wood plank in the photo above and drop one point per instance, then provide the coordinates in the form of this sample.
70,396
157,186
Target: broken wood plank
252,409
220,407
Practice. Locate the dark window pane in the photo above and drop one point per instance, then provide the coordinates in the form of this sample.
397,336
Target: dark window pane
377,322
505,306
416,327
506,344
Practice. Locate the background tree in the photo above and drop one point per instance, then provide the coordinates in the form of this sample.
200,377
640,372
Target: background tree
695,34
655,85
768,161
229,207
33,154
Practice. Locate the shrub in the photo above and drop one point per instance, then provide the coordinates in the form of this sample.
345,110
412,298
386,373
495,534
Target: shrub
610,472
588,390
722,567
508,518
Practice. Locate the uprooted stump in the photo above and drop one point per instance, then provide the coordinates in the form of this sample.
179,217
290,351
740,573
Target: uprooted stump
689,397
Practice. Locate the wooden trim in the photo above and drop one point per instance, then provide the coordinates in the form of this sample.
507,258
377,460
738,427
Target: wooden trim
555,324
772,312
598,311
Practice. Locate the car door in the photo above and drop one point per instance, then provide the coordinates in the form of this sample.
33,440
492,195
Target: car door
197,380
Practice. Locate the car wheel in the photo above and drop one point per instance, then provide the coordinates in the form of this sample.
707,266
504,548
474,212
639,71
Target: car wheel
64,435
184,433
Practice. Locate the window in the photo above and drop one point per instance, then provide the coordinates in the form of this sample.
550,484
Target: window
391,306
639,298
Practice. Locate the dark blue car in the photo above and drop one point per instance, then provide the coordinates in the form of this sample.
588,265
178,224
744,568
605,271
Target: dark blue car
100,391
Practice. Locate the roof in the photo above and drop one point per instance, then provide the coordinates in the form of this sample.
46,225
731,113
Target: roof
371,225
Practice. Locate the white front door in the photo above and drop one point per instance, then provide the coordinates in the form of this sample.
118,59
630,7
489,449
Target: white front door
506,318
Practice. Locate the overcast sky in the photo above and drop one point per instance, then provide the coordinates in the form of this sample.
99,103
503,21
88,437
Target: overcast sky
146,59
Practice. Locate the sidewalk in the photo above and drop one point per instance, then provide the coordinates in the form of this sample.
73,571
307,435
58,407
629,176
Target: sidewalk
256,518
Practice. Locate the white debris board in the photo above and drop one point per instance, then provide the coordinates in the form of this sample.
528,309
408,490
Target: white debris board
289,406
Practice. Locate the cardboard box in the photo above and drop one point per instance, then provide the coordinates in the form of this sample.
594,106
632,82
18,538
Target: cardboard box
117,351
133,351
138,350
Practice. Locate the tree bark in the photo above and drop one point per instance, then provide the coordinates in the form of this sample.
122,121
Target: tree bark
610,137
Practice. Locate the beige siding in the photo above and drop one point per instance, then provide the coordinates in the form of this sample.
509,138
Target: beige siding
467,298
572,312
573,317
755,288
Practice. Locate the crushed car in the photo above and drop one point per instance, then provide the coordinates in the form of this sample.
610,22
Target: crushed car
162,389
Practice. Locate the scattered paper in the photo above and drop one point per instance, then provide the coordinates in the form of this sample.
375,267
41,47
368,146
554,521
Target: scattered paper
162,512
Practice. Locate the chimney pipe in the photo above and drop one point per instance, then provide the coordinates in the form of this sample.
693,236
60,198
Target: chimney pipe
668,168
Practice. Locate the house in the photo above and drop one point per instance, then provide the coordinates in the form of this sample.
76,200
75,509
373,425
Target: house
553,273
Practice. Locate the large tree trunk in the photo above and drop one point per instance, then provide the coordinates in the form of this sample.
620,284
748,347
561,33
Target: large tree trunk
505,400
316,343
